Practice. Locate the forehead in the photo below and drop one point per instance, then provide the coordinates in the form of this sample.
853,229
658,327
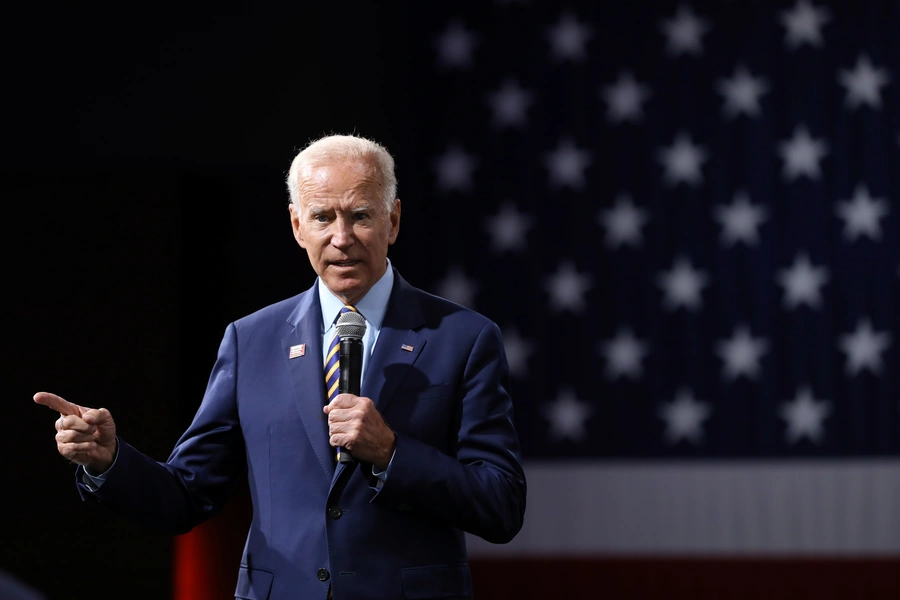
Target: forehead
356,180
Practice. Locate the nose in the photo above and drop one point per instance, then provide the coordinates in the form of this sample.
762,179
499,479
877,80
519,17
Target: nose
342,235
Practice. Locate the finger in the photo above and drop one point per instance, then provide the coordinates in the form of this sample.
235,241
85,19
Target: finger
338,415
74,424
330,407
344,401
70,449
57,403
69,436
345,427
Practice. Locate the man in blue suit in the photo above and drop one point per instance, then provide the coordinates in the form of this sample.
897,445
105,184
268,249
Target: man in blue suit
431,430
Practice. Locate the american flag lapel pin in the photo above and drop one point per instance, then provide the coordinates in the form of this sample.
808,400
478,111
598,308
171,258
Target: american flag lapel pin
298,350
406,347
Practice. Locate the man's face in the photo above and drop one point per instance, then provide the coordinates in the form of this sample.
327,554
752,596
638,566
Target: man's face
344,228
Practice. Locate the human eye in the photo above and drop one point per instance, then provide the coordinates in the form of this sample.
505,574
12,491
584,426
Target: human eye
319,216
361,213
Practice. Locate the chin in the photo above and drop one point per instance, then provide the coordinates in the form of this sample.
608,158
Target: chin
346,291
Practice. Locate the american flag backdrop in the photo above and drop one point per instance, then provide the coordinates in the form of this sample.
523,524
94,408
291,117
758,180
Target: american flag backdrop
684,218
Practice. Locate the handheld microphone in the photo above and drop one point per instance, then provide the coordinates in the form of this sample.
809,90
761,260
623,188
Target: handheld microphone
351,327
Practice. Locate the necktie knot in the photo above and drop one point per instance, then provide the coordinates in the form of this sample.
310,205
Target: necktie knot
345,309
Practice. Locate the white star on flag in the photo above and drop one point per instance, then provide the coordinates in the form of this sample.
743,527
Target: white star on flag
741,354
862,214
740,220
568,38
567,288
509,105
508,228
683,32
804,24
623,355
567,164
682,285
801,155
864,347
518,351
804,415
684,417
863,83
623,222
682,161
458,287
455,46
568,417
742,93
802,283
454,170
625,99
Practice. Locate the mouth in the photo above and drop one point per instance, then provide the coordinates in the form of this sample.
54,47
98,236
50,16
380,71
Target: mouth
344,263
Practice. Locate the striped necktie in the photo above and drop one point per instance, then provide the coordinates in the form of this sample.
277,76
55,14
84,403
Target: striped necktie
333,362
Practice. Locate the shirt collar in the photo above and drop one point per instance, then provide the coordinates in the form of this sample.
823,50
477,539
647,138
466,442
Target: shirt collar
372,306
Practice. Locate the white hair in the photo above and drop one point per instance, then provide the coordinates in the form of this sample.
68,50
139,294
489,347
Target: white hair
333,149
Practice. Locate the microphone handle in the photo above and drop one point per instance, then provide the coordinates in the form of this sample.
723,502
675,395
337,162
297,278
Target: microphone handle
351,373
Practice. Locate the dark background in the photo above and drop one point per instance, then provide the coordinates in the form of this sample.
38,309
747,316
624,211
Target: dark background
142,180
144,155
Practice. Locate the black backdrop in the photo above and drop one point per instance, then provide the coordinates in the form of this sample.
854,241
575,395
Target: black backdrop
144,152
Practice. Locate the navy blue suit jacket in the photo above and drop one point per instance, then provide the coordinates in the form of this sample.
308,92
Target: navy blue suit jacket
438,375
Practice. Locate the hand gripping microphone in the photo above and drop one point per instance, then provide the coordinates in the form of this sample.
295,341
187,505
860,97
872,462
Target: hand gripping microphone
351,327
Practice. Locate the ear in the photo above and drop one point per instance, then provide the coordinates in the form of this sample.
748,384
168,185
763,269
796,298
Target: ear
295,225
395,222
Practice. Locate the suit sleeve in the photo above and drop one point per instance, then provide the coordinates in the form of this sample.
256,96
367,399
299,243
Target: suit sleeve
479,488
194,483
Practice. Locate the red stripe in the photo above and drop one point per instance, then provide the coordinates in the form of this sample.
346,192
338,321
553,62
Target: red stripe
206,559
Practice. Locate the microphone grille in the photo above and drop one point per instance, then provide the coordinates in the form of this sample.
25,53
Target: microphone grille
351,325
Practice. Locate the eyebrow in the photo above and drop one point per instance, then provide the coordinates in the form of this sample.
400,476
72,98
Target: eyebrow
320,210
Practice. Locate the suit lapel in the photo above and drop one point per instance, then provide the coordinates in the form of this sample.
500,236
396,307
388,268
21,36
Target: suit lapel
307,376
397,347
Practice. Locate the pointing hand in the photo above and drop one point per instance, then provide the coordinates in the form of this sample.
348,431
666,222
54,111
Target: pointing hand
85,436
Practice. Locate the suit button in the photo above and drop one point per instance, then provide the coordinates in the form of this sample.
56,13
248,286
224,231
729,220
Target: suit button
323,574
335,512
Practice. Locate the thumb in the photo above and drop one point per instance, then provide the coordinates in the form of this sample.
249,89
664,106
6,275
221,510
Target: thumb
97,416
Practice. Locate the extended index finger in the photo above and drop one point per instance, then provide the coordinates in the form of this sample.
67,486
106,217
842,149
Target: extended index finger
57,403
